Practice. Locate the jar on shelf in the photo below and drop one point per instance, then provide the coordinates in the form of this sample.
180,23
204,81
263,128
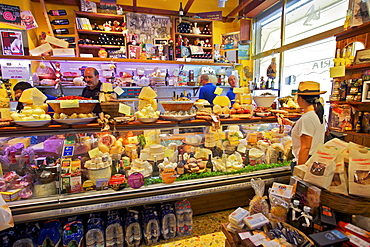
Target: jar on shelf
358,97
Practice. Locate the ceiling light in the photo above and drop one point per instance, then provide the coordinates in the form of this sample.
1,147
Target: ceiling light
221,3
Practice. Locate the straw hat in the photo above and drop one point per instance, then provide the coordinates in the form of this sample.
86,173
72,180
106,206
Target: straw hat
309,88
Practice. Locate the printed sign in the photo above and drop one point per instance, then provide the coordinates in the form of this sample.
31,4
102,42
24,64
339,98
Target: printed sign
12,43
28,20
136,180
15,70
215,15
10,14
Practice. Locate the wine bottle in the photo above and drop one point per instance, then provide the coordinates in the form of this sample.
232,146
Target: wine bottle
121,168
61,31
358,126
13,162
60,22
114,167
180,165
294,214
57,12
305,221
181,10
167,78
155,167
209,165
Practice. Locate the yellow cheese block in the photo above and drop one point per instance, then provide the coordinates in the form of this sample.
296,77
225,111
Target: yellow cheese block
147,93
33,96
221,100
25,140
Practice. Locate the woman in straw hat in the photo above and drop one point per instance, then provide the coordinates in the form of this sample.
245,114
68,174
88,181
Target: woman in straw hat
309,130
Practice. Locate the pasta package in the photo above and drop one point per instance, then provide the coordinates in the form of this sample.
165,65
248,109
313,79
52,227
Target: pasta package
359,172
321,166
339,182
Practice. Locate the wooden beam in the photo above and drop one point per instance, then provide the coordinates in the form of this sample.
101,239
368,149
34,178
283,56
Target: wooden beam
257,7
146,10
187,6
230,16
45,12
134,5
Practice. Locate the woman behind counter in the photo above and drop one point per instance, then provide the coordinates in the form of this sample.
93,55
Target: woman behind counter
309,130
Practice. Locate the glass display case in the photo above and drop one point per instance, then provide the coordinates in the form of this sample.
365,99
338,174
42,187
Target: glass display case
63,170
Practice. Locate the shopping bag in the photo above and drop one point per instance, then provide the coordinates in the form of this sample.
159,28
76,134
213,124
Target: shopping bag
6,218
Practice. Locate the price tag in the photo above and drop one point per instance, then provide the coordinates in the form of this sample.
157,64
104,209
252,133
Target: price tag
94,152
118,90
66,163
169,152
69,140
107,87
218,91
101,97
133,140
238,90
69,103
124,109
68,150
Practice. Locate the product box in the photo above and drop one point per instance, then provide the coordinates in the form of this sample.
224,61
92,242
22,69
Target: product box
365,235
236,217
11,195
355,241
328,238
308,195
255,221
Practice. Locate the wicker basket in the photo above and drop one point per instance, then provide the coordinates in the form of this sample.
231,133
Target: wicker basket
85,106
346,204
177,105
111,108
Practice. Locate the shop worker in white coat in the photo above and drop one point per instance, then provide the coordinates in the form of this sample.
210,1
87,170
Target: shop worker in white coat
308,132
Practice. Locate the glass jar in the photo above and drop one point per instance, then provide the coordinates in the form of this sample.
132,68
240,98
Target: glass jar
358,97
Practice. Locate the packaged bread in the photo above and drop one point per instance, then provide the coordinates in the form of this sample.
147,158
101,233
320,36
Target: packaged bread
258,204
359,172
321,166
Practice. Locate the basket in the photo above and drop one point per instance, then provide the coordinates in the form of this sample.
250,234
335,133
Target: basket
292,228
346,204
111,108
85,106
177,105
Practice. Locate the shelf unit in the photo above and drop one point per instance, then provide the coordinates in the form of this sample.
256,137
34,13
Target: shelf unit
83,34
201,23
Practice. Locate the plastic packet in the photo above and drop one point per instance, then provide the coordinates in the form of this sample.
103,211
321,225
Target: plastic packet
279,207
258,204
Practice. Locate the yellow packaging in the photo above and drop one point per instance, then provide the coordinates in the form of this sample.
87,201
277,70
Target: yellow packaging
11,195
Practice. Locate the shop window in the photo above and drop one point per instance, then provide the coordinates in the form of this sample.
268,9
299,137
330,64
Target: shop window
306,18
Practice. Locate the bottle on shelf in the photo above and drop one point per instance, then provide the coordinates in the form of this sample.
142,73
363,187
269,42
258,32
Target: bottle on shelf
121,168
155,167
305,221
13,166
272,85
180,165
192,148
114,167
61,31
181,10
167,78
60,22
209,164
57,12
358,126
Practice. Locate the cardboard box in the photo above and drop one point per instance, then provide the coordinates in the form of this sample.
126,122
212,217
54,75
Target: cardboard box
11,195
328,238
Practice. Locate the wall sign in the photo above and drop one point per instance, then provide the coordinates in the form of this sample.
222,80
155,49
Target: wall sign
10,14
15,70
215,15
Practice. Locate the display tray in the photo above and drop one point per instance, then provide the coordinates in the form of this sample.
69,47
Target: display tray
241,115
176,118
75,120
36,123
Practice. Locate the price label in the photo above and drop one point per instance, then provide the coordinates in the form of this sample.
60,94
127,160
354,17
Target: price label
218,91
68,150
238,90
168,153
69,103
94,152
124,109
118,90
133,140
107,87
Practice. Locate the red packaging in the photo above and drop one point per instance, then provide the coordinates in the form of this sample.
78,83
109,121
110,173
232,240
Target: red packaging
365,235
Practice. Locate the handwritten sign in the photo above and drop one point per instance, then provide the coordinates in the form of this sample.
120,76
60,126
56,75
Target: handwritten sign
94,152
107,87
218,91
118,90
124,109
215,15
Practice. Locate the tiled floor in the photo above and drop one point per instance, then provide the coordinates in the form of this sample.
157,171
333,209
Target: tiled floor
207,232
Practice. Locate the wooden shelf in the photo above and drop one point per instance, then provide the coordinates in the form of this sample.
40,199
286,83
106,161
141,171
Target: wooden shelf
100,46
114,60
353,31
82,31
349,102
98,15
195,35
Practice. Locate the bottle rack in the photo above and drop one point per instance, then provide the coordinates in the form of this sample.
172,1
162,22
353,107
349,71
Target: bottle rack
187,33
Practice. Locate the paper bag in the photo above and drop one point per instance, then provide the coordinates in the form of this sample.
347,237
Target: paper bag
6,218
